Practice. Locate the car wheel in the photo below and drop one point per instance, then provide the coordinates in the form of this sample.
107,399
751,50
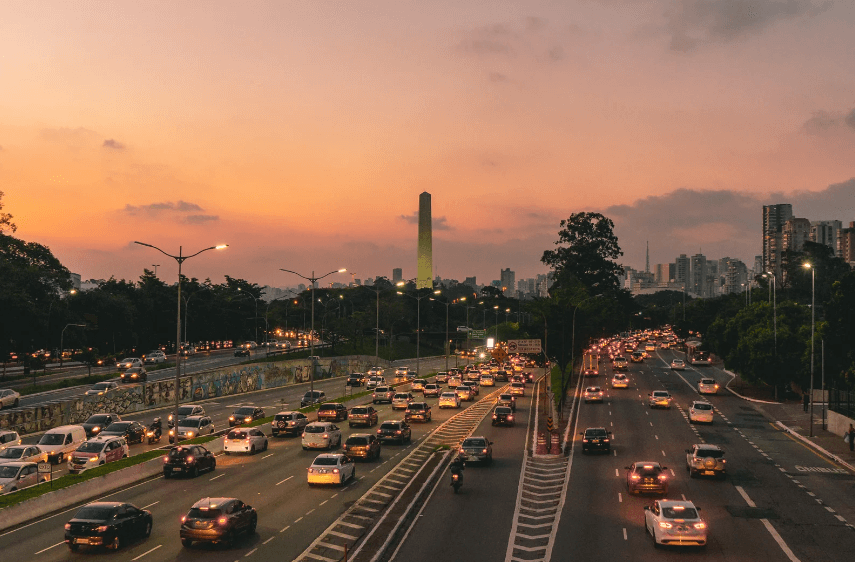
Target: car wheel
353,474
195,471
116,544
252,450
213,464
73,547
266,444
305,448
166,475
186,543
15,405
227,453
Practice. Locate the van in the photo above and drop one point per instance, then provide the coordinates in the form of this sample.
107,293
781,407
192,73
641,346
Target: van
60,442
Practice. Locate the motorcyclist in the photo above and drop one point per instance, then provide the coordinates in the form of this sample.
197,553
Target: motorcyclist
457,467
156,428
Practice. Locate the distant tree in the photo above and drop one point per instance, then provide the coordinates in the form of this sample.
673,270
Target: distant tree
6,219
587,248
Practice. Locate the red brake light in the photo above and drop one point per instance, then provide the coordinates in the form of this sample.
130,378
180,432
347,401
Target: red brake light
222,520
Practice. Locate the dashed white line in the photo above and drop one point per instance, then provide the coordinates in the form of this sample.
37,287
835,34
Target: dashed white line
308,512
298,520
657,437
624,533
620,497
617,473
149,505
322,503
285,528
684,497
148,552
250,552
663,453
672,472
50,547
270,539
215,477
265,456
287,479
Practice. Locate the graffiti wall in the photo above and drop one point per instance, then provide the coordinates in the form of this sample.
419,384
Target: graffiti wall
196,387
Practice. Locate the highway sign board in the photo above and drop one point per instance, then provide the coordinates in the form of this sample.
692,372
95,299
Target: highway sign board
524,346
45,468
477,334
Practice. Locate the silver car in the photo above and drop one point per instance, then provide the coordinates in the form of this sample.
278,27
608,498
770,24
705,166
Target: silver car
706,460
100,388
19,475
22,453
707,386
190,428
9,398
675,523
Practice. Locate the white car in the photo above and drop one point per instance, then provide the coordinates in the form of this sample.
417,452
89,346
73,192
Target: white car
449,400
190,428
374,381
401,400
97,451
22,453
18,475
100,388
620,381
707,386
678,364
700,412
431,389
376,371
9,438
675,522
331,469
401,371
129,363
321,435
245,440
487,380
9,398
154,357
659,399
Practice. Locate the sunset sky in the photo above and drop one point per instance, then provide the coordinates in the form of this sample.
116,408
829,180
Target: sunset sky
301,133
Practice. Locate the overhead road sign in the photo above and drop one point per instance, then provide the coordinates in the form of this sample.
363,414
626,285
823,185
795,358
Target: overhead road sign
477,334
524,346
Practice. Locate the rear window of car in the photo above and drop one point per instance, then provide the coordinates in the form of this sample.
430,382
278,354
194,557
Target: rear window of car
474,443
503,410
389,425
595,433
660,394
701,406
417,406
679,512
238,435
505,397
185,411
315,429
652,471
356,441
707,381
517,385
714,453
381,389
400,395
285,417
448,395
196,513
358,410
327,407
95,513
325,461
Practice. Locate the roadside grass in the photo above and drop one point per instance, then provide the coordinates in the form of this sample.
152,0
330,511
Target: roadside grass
555,382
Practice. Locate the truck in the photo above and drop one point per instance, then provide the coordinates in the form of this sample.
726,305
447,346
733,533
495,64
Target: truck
591,364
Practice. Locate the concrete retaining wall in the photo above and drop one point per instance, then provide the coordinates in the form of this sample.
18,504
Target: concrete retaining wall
196,387
838,424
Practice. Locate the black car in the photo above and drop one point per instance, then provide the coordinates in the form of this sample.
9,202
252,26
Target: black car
501,376
332,411
646,476
188,459
418,411
362,446
508,400
395,431
596,439
98,422
503,415
108,524
218,520
356,379
241,352
245,414
132,431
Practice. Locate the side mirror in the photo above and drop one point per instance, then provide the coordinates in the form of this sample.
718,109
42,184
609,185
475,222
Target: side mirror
697,508
646,508
626,468
581,433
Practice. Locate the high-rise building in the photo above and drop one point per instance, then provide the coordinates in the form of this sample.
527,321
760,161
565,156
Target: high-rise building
698,275
397,275
846,244
682,266
825,232
508,281
425,249
796,231
774,217
471,282
662,272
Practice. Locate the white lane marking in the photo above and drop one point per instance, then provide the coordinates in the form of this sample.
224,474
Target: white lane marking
617,473
250,552
298,520
285,528
144,553
651,424
265,456
612,424
308,512
270,539
779,540
215,477
672,472
684,497
287,479
323,502
149,505
663,453
620,497
614,451
50,547
624,533
745,496
657,437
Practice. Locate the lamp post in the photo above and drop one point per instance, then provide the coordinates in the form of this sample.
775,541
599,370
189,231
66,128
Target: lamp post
418,300
496,310
61,336
468,328
180,258
313,280
155,266
812,327
447,346
255,300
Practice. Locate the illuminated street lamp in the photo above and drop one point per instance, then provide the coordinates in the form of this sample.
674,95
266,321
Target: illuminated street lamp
313,280
180,258
812,327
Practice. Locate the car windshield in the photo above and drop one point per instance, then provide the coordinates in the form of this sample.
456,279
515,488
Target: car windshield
356,441
714,453
325,461
238,435
245,411
118,427
701,406
52,439
98,418
89,447
94,513
679,512
189,423
12,453
127,360
315,429
185,411
100,386
474,443
196,513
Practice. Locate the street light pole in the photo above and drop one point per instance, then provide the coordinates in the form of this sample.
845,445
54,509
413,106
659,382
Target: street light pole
155,265
62,336
573,346
313,280
255,300
812,327
180,258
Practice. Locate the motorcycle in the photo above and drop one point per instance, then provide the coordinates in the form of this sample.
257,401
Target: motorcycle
456,475
154,431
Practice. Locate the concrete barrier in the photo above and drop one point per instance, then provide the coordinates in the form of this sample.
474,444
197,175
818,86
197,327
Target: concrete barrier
196,387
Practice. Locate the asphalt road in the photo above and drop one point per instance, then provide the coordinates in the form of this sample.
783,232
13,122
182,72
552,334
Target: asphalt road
600,521
290,513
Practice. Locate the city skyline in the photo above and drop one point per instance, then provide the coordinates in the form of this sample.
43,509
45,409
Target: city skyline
235,133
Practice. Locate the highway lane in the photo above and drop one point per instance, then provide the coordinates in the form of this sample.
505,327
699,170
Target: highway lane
219,409
475,523
601,523
290,513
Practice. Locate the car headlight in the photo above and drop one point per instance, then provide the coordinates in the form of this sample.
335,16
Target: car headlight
96,429
93,459
189,434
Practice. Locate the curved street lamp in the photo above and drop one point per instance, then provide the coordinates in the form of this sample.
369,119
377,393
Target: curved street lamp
313,280
180,258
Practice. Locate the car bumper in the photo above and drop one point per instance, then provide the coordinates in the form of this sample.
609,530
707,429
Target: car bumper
449,404
596,447
619,385
384,438
593,399
178,469
203,535
359,421
317,444
287,430
703,390
328,478
701,470
648,488
682,538
701,419
237,448
398,406
359,453
660,404
92,540
473,457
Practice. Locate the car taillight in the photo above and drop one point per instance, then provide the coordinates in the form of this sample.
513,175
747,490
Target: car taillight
510,416
700,525
584,440
605,440
635,477
183,518
102,528
222,520
378,431
335,471
494,416
310,470
231,418
326,435
165,459
665,525
189,459
398,431
247,419
484,451
68,526
663,477
462,452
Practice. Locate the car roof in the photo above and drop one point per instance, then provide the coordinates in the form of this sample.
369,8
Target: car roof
286,412
676,503
104,504
211,503
707,446
19,464
360,435
655,464
320,423
328,456
660,392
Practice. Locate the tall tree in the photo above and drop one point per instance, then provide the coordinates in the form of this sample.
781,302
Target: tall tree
587,248
6,219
